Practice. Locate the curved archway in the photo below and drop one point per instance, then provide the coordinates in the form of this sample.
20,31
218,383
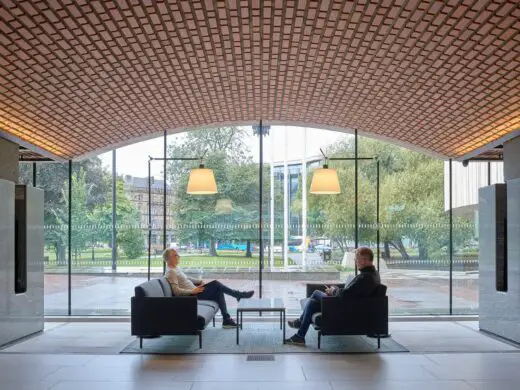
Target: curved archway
133,141
442,77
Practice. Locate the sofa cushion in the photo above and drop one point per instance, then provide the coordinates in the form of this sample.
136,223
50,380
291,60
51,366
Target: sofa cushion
204,315
212,304
167,289
152,288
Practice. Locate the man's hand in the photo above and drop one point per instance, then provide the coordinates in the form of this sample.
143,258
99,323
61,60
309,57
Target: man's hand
331,291
197,290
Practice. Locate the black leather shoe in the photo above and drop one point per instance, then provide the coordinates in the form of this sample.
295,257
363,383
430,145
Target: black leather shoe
295,324
245,294
229,324
295,340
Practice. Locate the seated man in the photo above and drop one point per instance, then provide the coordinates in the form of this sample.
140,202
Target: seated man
363,285
213,291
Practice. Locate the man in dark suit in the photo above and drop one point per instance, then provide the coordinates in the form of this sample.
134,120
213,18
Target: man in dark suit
363,285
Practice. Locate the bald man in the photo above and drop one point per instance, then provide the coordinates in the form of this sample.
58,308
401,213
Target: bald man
213,291
363,285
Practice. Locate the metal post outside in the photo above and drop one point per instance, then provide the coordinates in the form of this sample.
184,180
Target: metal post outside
34,171
69,297
451,235
356,216
114,214
378,234
149,215
164,198
260,227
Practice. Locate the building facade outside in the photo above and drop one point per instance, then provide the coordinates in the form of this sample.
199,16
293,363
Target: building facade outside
466,182
136,189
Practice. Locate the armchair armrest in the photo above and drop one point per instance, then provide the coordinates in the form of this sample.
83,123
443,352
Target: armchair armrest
163,315
311,287
354,315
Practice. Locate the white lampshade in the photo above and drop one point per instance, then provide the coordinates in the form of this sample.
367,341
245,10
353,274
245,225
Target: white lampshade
325,181
202,182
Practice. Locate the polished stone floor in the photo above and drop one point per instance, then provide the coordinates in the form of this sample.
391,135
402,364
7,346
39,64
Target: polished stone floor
443,355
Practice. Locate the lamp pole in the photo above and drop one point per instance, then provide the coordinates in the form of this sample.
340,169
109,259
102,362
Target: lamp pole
356,209
164,198
114,215
261,131
69,241
378,233
356,159
164,159
149,214
304,202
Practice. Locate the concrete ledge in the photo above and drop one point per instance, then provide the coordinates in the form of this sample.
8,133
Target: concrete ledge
225,273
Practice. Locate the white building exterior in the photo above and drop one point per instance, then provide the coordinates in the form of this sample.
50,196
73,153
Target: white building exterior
467,181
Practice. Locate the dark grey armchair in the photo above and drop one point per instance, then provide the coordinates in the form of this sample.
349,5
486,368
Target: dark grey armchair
155,311
351,316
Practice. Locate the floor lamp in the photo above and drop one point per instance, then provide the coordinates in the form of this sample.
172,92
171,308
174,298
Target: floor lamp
201,182
325,182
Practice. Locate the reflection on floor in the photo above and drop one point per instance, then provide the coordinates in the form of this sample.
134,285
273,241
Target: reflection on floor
443,355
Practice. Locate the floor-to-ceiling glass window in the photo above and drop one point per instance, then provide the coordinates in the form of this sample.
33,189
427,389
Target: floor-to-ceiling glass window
300,224
217,235
53,178
305,237
466,181
92,292
414,233
414,227
139,217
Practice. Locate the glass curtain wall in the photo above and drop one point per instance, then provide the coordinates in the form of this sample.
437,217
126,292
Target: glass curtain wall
466,181
299,226
305,237
140,189
414,259
53,179
217,235
92,281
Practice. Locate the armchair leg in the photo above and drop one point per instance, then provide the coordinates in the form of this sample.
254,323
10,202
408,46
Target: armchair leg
213,321
200,340
319,339
141,342
378,342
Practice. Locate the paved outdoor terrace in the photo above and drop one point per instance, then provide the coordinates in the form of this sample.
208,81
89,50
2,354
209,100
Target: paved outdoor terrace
410,291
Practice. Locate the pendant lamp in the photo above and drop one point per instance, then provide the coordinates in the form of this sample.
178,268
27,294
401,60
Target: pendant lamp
202,181
325,181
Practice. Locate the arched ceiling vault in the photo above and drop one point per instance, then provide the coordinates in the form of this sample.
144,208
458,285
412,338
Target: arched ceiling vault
81,76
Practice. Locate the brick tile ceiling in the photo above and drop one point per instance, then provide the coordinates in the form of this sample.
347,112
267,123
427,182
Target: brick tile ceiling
81,76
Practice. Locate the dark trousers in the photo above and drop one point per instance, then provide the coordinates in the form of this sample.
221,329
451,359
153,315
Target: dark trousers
312,306
214,291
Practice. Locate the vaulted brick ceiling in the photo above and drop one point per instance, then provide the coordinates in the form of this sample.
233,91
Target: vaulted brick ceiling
83,76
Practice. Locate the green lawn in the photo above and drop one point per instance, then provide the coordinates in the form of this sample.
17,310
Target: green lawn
225,259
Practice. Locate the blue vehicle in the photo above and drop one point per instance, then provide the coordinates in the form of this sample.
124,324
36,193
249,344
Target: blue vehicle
228,246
